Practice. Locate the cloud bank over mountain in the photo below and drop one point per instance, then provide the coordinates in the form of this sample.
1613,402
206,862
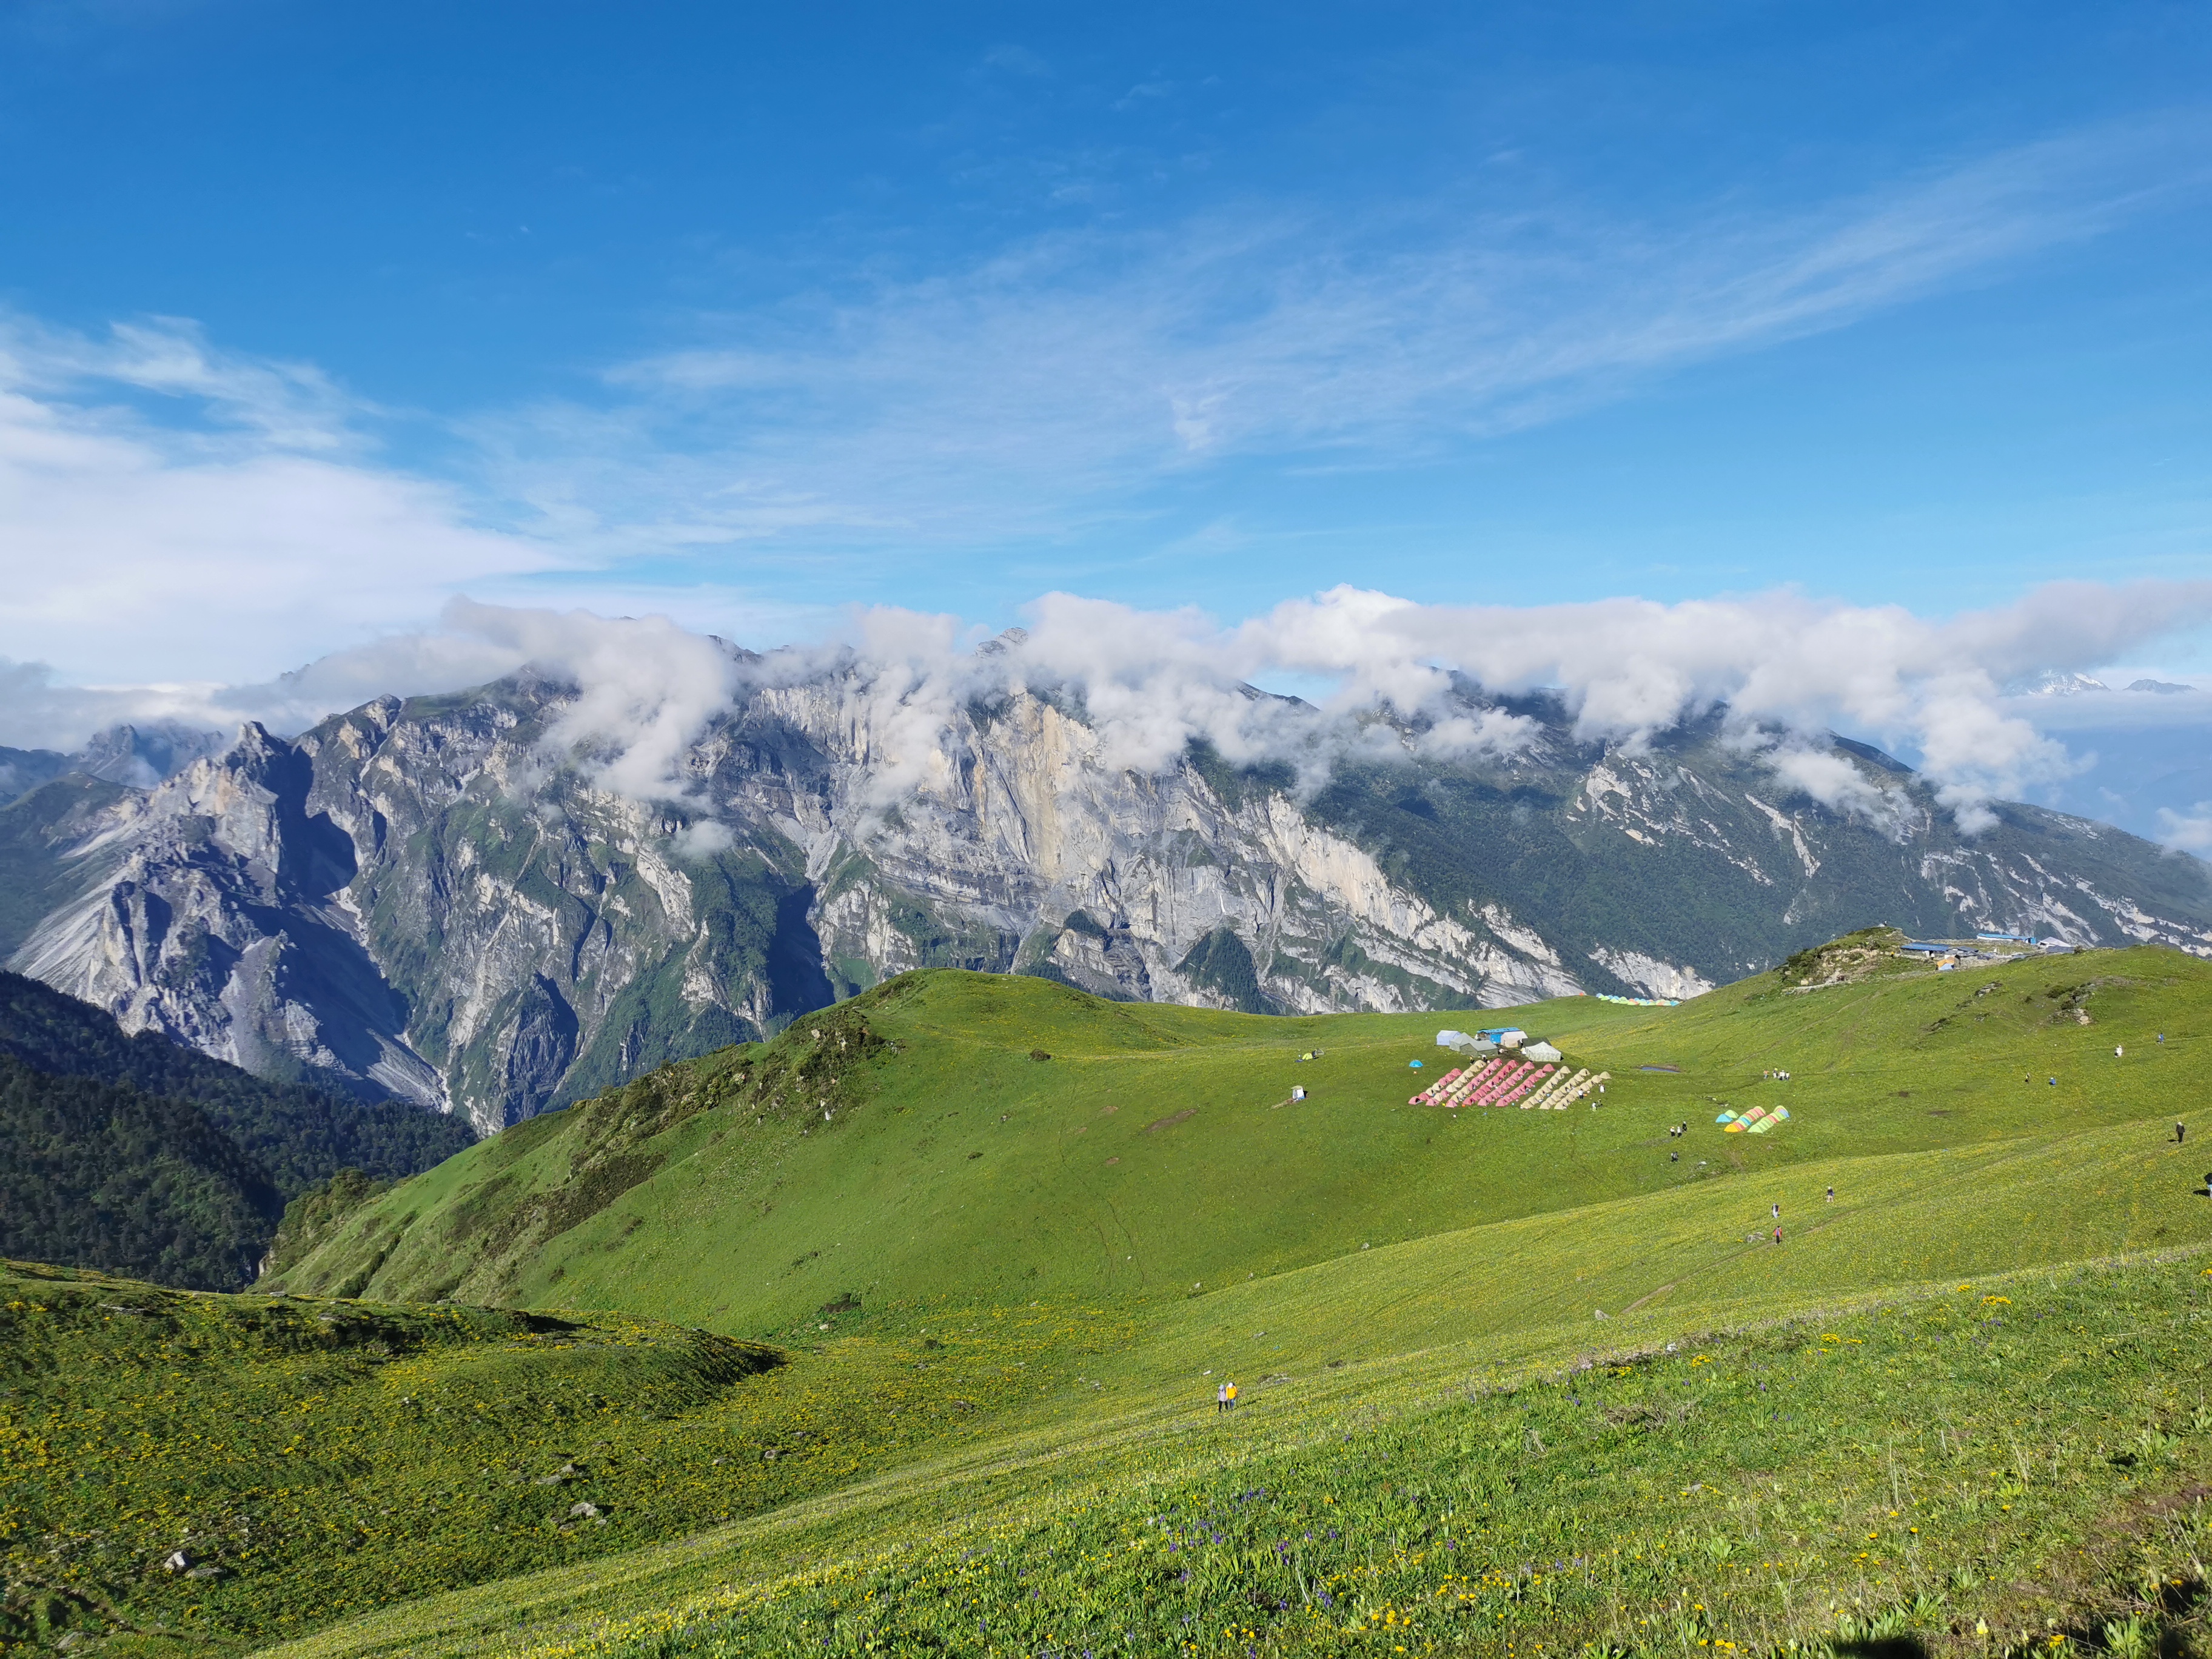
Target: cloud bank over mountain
1385,675
181,521
176,510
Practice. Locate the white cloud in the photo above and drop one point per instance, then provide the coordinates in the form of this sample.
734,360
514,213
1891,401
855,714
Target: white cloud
702,839
1786,669
2191,831
228,542
1627,669
37,713
170,510
1035,391
196,522
292,406
645,688
1833,782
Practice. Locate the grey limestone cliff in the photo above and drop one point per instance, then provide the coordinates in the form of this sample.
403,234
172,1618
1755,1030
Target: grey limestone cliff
425,898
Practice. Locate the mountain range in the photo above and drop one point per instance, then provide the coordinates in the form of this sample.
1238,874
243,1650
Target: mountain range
141,754
446,900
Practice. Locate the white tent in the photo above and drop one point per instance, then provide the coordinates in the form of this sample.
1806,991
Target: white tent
1542,1053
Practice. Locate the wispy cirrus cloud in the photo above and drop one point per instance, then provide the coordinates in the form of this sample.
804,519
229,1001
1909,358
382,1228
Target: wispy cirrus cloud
172,511
226,400
1055,383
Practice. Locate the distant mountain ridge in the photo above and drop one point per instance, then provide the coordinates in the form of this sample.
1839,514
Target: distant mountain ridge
140,756
418,898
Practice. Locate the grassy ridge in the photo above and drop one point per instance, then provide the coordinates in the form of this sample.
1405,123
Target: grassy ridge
1158,1149
1391,1285
1701,1253
948,1408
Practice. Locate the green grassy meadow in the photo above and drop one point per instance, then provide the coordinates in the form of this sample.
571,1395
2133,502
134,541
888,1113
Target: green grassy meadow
1158,1150
1982,1468
1000,1292
319,1459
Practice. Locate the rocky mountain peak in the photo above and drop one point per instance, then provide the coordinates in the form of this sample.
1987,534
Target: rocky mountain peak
430,898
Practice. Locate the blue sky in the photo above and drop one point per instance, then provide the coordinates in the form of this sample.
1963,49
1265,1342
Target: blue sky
750,314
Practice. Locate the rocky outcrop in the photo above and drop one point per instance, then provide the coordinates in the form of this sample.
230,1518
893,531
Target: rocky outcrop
428,898
221,918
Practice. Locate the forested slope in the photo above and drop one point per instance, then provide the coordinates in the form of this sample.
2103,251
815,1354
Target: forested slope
101,1174
136,1155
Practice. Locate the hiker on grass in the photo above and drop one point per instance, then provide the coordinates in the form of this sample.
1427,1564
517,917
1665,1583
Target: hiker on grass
2180,1131
1831,1195
1228,1396
1221,1399
1777,1235
1777,1210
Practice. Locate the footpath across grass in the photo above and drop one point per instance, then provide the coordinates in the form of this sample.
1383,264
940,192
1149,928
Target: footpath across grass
2000,1466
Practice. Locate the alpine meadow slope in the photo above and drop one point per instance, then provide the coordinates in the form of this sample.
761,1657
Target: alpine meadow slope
456,901
914,1142
1523,1376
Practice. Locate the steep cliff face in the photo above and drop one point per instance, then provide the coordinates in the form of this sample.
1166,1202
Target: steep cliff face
218,911
429,899
1024,848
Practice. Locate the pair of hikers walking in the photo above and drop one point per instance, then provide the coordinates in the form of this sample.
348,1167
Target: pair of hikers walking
1225,1397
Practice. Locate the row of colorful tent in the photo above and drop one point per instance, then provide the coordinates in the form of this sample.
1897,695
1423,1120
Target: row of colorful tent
1756,1121
1564,1090
1488,1083
1523,1082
